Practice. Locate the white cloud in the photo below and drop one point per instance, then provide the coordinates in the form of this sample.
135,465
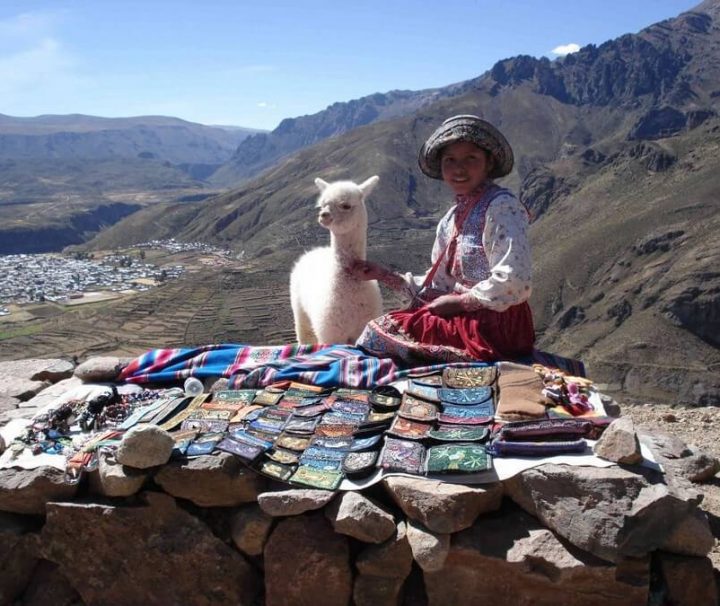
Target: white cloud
265,104
565,49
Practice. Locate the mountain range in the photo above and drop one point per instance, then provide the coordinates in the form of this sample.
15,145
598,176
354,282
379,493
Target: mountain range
617,161
79,136
63,178
262,150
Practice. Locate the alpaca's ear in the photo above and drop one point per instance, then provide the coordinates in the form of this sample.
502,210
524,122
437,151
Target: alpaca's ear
367,186
322,185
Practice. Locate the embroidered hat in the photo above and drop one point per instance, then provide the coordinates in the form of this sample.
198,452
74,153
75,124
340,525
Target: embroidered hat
466,128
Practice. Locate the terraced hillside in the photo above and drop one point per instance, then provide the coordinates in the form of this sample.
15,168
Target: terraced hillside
208,306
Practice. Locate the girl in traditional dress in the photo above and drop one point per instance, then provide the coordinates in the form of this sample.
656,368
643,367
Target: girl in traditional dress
471,305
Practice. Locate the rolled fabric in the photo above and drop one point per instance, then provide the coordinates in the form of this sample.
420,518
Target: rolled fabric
520,393
501,448
545,430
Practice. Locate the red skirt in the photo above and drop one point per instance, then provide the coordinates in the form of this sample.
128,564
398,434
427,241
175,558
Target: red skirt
484,335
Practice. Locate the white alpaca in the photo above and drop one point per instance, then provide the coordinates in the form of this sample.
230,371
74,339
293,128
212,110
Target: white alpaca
329,305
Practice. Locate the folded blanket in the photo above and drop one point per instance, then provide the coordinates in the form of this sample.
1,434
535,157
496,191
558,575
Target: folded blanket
259,366
520,394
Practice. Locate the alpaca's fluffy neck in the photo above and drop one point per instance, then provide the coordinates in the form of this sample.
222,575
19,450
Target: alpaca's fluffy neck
352,245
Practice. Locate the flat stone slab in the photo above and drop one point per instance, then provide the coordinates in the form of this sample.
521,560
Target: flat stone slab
692,536
307,563
50,394
155,553
145,446
101,368
18,413
357,516
442,507
382,570
37,369
250,528
619,443
29,490
429,549
20,388
211,481
391,559
681,460
8,403
111,479
689,581
294,501
611,512
510,559
19,555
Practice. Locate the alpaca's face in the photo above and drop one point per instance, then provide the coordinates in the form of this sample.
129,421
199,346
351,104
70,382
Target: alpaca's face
341,210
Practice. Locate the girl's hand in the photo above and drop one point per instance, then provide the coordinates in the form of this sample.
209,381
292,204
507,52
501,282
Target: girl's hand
367,270
446,306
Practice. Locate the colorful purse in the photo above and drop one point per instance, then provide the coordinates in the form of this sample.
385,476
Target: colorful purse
301,425
286,457
465,397
275,470
385,398
467,415
401,455
360,463
431,380
316,478
419,390
341,443
459,433
362,395
204,444
416,409
244,396
457,458
367,443
469,377
411,430
244,450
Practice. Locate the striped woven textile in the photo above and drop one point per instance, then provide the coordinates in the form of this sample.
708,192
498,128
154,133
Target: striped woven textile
258,366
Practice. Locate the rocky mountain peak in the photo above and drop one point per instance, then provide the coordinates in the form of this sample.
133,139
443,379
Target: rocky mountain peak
711,7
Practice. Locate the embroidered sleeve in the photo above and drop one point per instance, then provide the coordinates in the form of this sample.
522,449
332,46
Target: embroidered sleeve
508,253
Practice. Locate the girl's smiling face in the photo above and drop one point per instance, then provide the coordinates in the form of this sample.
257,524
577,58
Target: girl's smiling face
464,166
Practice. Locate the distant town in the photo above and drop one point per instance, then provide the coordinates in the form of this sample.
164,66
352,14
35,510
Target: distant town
67,278
174,246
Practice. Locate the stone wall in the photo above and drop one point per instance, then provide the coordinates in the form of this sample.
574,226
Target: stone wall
208,530
211,531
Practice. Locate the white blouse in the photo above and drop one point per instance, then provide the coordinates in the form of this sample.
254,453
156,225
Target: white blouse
492,263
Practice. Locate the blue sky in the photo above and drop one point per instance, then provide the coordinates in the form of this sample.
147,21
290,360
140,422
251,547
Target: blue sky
252,63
